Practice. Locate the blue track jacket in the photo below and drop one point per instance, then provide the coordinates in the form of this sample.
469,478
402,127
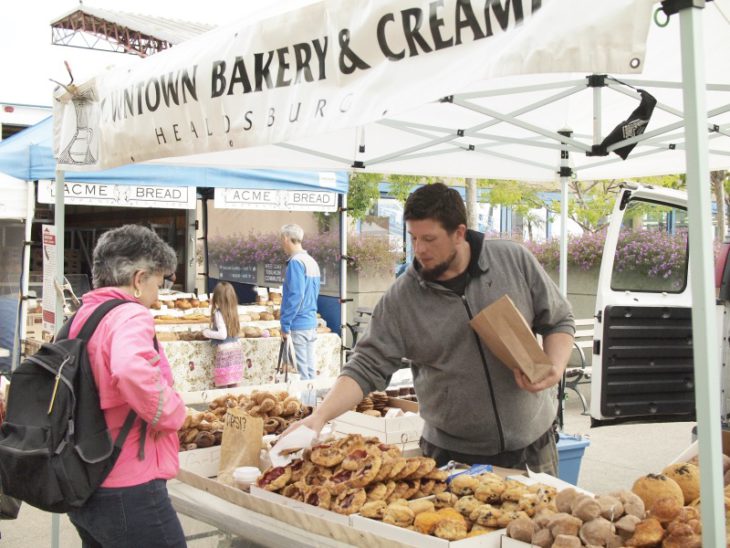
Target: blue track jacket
300,293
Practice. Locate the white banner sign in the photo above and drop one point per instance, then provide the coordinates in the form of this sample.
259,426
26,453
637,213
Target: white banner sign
166,197
275,200
285,76
49,275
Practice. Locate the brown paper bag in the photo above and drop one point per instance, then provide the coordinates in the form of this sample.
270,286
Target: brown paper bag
506,333
241,443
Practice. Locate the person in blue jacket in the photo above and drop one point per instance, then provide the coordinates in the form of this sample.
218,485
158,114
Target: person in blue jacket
299,299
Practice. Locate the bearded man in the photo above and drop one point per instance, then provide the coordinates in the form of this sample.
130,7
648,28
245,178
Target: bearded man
476,410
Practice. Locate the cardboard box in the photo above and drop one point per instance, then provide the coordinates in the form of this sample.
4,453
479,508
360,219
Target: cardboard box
203,462
404,429
506,333
693,449
288,515
302,507
414,538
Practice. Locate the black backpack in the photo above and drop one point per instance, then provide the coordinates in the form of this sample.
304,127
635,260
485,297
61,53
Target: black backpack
55,447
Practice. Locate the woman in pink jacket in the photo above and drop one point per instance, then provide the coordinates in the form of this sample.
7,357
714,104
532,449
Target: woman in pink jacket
132,507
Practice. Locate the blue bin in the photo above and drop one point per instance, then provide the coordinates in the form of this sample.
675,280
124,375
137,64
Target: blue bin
570,453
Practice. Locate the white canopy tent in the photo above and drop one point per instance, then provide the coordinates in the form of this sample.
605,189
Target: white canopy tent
421,87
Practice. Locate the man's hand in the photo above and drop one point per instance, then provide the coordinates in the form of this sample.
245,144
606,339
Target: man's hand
284,336
553,378
312,421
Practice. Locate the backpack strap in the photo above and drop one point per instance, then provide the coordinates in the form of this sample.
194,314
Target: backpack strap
86,332
96,316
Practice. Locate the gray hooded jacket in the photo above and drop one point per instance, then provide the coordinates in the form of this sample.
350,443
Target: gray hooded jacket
468,398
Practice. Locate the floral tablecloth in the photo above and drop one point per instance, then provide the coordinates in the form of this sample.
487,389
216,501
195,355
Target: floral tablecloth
192,361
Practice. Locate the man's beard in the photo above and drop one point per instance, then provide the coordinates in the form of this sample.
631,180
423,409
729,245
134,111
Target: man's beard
432,274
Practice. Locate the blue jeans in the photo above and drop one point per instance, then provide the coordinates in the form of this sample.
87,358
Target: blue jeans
129,517
303,342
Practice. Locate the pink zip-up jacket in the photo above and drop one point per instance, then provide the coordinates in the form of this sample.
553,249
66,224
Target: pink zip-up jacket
130,373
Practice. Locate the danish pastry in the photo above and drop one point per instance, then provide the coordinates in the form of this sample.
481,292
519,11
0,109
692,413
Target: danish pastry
274,478
318,496
374,509
349,501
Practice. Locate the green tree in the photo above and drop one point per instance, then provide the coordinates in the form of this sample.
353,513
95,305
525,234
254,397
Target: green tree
521,197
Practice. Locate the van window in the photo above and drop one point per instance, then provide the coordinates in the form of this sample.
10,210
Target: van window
651,254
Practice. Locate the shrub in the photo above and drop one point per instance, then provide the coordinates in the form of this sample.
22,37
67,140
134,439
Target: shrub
366,254
649,252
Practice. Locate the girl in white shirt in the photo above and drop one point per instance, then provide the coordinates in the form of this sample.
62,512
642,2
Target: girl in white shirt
224,330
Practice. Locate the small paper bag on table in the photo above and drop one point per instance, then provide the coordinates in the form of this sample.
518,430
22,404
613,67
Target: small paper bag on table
507,335
241,443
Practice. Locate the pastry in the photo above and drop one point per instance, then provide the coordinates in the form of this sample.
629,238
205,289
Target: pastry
421,505
318,496
274,478
426,522
687,477
445,500
327,455
373,509
490,492
653,487
397,514
486,515
464,484
349,501
521,529
597,532
450,529
648,532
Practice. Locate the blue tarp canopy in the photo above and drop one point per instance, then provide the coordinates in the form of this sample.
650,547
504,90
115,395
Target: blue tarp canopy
28,155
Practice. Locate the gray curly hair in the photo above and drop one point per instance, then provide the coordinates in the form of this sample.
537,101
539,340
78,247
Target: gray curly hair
121,252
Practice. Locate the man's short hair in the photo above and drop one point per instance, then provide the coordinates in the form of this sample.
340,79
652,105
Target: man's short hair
437,202
294,233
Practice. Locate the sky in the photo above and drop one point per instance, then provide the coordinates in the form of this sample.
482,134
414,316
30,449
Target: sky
28,60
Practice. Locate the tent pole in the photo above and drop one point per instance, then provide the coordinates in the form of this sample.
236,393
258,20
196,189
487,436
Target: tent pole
59,222
21,328
343,275
704,331
190,249
597,115
565,174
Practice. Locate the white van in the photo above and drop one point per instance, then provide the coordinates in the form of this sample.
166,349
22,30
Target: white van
642,364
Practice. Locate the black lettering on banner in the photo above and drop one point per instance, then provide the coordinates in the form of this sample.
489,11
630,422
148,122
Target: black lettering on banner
412,20
501,14
227,123
320,107
139,87
436,22
302,56
160,134
296,116
207,128
152,106
383,42
321,53
263,69
218,80
193,130
465,18
281,54
190,84
247,118
346,54
346,102
175,131
272,117
239,76
169,89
